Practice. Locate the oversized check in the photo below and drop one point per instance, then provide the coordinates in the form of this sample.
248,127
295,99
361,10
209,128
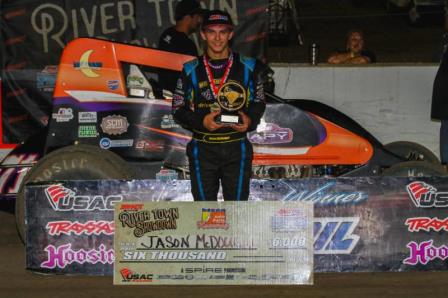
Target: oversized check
266,242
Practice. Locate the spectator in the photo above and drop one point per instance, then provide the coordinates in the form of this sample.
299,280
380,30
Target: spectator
355,52
188,14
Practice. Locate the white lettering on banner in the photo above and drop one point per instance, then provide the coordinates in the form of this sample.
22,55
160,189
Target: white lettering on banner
88,23
46,17
123,17
157,8
47,24
171,7
105,18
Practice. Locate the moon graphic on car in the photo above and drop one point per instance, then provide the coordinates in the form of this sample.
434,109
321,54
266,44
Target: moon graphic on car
84,66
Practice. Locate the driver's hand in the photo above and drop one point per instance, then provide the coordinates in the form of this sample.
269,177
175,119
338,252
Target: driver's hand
209,121
245,125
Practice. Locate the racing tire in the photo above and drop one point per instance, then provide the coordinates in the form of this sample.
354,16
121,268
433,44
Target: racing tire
412,152
77,162
414,169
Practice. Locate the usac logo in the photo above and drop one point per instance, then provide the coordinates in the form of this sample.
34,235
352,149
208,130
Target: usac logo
130,276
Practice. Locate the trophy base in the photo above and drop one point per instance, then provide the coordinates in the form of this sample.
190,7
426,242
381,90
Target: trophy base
229,119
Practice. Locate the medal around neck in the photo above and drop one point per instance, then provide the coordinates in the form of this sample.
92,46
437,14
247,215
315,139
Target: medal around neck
231,98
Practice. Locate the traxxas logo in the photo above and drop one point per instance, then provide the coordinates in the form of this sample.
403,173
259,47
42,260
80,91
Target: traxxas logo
65,199
426,196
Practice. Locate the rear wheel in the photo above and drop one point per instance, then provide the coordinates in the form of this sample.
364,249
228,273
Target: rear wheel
80,162
415,169
412,151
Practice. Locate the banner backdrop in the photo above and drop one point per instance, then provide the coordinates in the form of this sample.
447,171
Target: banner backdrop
35,32
360,224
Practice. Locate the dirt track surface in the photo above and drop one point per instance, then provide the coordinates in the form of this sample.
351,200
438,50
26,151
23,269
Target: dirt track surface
15,281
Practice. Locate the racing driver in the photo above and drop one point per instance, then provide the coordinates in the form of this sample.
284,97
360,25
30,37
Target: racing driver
210,86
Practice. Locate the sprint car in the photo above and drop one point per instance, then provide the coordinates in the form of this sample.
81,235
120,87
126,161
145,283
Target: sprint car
111,121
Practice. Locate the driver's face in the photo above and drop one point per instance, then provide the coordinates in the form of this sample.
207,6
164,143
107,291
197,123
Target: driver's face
355,42
217,37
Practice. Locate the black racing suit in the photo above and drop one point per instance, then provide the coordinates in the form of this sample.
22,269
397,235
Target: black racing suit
223,155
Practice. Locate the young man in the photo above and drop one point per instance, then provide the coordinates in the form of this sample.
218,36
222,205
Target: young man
219,151
188,14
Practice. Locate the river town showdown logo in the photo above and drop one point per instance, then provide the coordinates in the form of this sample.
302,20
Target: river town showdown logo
147,221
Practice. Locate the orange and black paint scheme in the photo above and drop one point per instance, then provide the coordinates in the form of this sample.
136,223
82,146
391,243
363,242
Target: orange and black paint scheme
95,103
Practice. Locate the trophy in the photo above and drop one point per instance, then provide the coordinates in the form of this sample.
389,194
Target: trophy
231,99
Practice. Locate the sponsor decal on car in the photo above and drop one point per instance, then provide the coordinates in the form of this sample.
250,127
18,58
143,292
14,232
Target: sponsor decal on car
114,124
63,115
270,133
106,143
46,79
113,84
424,195
87,131
134,81
87,117
87,67
150,145
168,122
